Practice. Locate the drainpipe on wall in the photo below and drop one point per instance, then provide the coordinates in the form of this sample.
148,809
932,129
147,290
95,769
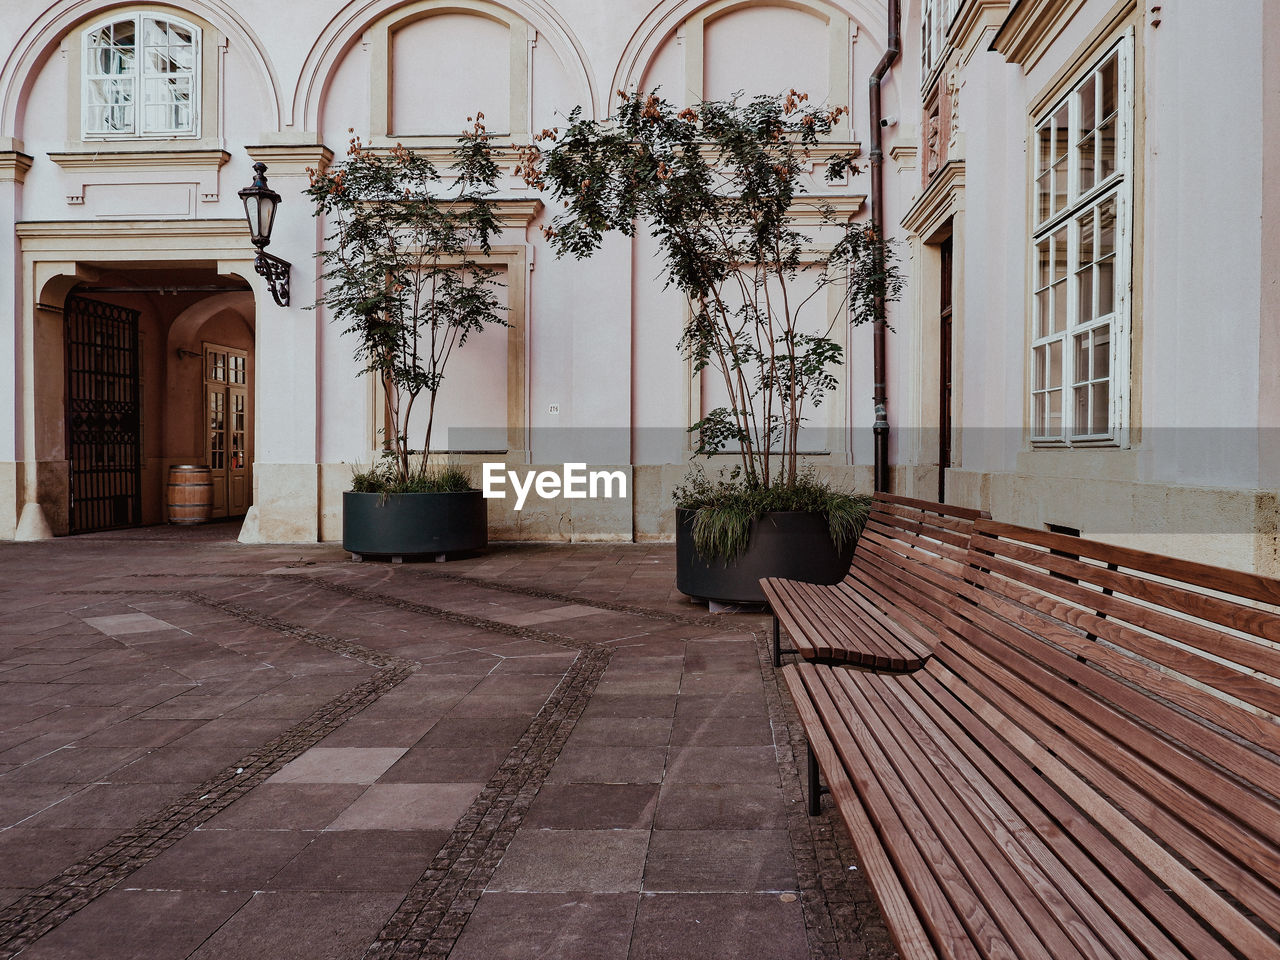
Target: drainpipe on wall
879,323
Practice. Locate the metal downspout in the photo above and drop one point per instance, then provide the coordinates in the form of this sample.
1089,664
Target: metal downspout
880,325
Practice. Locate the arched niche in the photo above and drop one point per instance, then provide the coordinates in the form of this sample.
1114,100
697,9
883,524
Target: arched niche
695,50
43,38
354,68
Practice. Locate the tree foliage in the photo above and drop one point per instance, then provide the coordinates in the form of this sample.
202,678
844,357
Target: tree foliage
720,187
401,271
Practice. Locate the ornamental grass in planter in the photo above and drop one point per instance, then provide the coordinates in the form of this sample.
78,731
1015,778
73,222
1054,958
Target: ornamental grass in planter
719,185
402,275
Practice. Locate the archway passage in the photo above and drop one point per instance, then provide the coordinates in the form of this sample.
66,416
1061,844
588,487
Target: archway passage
157,371
104,415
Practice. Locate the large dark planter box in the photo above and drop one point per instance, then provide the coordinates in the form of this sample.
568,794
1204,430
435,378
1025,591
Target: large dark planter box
413,524
788,544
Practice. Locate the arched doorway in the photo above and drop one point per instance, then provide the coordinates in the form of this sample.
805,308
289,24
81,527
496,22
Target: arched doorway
158,371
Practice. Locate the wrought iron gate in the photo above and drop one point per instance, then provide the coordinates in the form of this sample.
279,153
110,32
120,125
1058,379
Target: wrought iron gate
103,415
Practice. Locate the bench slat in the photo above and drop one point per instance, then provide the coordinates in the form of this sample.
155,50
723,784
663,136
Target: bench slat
909,934
1197,655
1009,701
1014,890
1057,826
1235,582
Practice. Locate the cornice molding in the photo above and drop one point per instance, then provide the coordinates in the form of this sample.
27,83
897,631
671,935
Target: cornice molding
813,210
904,155
108,167
971,24
14,166
1031,27
943,198
291,159
175,159
173,239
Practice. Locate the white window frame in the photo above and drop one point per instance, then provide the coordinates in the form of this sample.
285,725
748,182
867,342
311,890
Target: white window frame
139,77
935,22
1064,223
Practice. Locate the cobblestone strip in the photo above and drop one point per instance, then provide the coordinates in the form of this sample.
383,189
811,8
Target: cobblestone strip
34,915
431,917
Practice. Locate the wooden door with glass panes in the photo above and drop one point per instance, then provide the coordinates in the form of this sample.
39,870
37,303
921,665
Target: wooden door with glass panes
228,433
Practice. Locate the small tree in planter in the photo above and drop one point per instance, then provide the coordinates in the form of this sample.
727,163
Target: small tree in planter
401,275
718,185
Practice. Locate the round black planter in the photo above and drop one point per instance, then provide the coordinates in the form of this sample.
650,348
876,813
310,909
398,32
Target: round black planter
413,524
787,544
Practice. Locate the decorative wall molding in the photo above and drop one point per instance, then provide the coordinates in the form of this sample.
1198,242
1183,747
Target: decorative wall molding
1031,28
109,167
941,200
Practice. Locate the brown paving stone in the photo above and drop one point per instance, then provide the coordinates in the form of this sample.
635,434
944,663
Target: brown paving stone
475,763
175,763
593,763
546,926
30,856
476,705
630,705
464,731
593,806
20,801
722,765
115,806
138,925
749,861
622,731
373,732
720,806
288,806
728,705
140,733
695,731
596,861
718,927
339,765
408,806
300,926
72,764
221,860
361,860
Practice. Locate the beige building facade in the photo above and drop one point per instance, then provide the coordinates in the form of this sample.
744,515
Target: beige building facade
1082,191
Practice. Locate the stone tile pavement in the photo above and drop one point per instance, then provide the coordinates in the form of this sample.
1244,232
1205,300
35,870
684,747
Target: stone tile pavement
217,751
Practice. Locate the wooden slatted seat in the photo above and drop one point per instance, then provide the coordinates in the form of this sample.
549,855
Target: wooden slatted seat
1088,766
882,615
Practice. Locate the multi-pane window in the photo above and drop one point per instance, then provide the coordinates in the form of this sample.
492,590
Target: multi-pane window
141,78
1080,257
935,18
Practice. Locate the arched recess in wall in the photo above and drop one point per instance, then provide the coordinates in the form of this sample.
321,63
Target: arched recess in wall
43,37
697,50
529,24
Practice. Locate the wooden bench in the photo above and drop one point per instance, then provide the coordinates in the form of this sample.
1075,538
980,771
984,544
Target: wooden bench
873,618
1088,766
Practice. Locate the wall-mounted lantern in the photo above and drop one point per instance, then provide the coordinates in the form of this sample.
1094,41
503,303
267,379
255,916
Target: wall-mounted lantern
260,203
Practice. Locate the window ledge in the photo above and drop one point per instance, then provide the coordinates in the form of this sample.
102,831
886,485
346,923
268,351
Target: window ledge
199,168
186,159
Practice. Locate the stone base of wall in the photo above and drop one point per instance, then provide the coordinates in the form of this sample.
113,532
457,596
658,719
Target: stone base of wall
1239,529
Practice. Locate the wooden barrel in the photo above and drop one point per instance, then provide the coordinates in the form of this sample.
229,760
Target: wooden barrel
190,494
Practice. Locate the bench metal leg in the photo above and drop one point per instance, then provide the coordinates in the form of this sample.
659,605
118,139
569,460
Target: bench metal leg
778,650
815,788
